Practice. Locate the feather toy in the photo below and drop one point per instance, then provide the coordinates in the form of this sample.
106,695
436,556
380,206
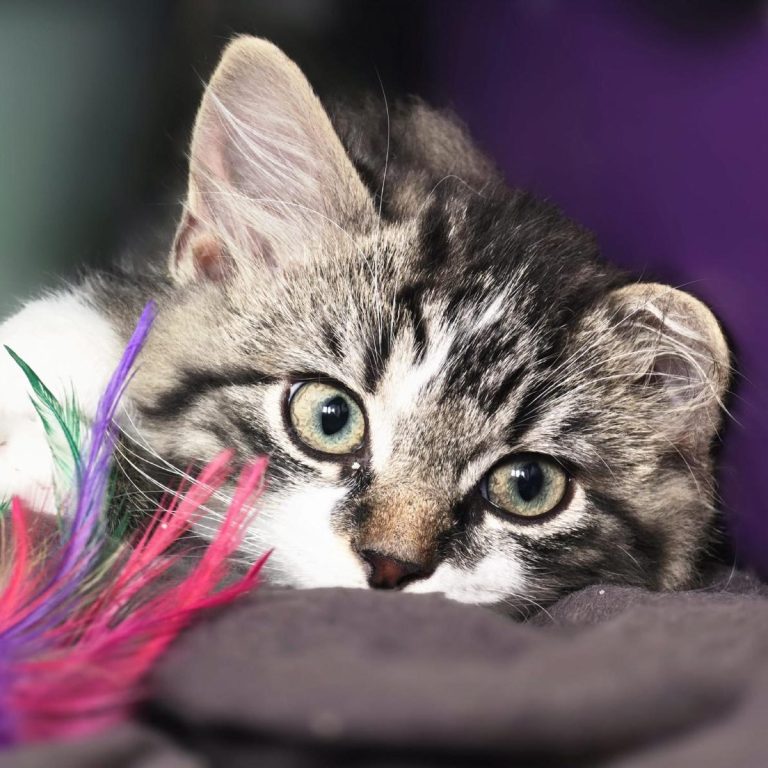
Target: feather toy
82,617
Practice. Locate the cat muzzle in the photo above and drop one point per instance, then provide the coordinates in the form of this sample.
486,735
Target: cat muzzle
385,572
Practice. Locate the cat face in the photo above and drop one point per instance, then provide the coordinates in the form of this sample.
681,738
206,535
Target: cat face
455,393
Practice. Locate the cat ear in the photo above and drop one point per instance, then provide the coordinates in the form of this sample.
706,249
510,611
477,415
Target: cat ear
269,179
680,352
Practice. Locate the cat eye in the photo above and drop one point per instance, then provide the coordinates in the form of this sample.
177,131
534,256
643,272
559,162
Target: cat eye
326,418
526,486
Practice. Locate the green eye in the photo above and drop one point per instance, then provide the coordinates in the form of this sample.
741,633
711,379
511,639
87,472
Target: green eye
326,418
527,486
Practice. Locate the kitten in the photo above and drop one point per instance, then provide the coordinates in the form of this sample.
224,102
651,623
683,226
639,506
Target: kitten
457,394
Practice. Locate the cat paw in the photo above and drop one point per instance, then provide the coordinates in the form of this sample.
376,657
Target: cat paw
26,464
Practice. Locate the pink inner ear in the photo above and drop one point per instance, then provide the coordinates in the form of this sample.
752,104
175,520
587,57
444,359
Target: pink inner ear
203,249
268,177
209,257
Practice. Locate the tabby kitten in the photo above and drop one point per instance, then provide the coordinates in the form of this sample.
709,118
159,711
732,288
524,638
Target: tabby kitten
456,393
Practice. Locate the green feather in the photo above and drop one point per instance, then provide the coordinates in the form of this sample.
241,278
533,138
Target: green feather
59,421
63,428
63,424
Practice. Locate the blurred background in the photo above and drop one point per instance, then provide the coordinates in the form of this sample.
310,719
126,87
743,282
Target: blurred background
646,120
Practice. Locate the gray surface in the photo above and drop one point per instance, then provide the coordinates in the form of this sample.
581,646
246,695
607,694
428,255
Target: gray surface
610,676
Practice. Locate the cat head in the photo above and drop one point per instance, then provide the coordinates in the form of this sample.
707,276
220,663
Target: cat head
455,392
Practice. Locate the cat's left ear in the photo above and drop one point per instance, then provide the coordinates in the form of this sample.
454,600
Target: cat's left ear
269,180
679,351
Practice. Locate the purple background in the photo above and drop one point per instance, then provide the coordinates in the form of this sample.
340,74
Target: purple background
656,138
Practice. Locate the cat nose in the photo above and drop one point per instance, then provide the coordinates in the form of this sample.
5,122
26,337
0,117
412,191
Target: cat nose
390,572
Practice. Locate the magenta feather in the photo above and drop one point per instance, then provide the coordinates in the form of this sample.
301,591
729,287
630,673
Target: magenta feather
81,620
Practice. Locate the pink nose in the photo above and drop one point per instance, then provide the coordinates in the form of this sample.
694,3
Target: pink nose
390,572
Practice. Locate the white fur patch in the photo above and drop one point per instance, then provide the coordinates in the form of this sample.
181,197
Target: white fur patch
494,579
492,313
399,392
307,552
73,349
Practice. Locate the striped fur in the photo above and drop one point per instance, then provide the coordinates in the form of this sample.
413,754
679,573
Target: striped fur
470,320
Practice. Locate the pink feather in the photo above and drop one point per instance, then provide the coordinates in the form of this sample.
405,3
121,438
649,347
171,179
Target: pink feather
88,676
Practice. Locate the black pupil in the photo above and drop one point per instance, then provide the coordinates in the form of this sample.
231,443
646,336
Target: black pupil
530,480
335,415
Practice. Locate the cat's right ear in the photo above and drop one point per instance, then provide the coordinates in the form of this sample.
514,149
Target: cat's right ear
676,347
269,180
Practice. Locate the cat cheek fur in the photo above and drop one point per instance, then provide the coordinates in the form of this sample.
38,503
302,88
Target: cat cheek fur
498,579
297,524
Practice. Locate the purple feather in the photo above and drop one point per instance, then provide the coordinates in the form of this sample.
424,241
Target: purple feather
96,469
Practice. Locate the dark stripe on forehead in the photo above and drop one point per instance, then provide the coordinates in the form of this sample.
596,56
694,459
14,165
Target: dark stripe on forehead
434,240
333,341
486,366
464,294
193,385
409,299
511,381
533,403
577,423
377,354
